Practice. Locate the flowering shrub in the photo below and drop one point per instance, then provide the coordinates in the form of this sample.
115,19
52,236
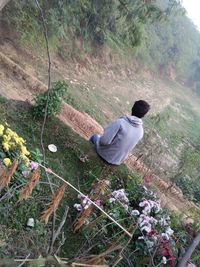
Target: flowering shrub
12,146
153,239
14,154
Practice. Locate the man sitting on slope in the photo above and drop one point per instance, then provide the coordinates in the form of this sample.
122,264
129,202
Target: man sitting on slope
121,135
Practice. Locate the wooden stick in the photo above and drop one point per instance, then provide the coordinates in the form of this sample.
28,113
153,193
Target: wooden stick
183,262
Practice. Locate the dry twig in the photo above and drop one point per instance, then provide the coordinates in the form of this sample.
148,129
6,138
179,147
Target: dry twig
56,234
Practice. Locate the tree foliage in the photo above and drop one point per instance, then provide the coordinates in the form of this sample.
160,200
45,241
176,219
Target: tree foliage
157,32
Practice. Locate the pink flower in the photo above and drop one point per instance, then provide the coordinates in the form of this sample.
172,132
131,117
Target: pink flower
48,170
98,202
25,173
144,203
34,165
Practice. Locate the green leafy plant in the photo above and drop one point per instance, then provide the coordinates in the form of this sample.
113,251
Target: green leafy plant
54,101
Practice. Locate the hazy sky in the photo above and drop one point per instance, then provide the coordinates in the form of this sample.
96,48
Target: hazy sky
193,10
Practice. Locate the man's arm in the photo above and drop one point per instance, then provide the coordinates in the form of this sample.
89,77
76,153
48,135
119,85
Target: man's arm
109,133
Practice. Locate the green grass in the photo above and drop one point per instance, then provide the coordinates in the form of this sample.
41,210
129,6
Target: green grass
92,101
17,238
176,123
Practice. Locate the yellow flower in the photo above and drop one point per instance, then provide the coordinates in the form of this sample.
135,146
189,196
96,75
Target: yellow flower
22,140
6,146
17,140
25,151
9,132
6,138
1,129
7,162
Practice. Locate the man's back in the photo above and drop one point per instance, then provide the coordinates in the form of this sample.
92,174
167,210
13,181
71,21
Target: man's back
119,138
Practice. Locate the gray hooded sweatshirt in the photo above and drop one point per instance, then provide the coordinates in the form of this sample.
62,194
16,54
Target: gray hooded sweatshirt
119,138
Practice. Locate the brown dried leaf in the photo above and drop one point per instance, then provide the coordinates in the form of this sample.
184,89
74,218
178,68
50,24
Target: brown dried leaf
80,221
7,174
92,260
27,190
54,204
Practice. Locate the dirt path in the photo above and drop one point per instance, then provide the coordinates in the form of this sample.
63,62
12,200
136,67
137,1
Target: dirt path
19,84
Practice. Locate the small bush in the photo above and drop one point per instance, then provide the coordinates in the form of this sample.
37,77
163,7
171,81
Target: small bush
55,99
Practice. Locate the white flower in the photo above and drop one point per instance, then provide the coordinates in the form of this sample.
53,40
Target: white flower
145,188
111,200
146,228
165,236
164,260
146,210
120,195
85,201
163,222
153,220
125,207
135,213
143,220
144,203
78,207
144,223
169,231
86,206
141,237
157,206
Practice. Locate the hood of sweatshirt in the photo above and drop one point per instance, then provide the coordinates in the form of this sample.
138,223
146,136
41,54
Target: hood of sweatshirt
133,120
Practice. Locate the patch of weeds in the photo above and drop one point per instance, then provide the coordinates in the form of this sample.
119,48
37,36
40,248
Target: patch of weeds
54,100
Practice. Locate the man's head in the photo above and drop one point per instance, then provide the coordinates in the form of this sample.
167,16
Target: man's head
140,108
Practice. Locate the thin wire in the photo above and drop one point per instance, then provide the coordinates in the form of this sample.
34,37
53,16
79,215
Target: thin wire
78,191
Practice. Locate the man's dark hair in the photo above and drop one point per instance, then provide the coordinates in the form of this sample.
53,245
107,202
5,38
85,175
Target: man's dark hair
140,108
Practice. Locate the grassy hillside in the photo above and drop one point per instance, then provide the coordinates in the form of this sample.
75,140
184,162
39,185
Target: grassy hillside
78,163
